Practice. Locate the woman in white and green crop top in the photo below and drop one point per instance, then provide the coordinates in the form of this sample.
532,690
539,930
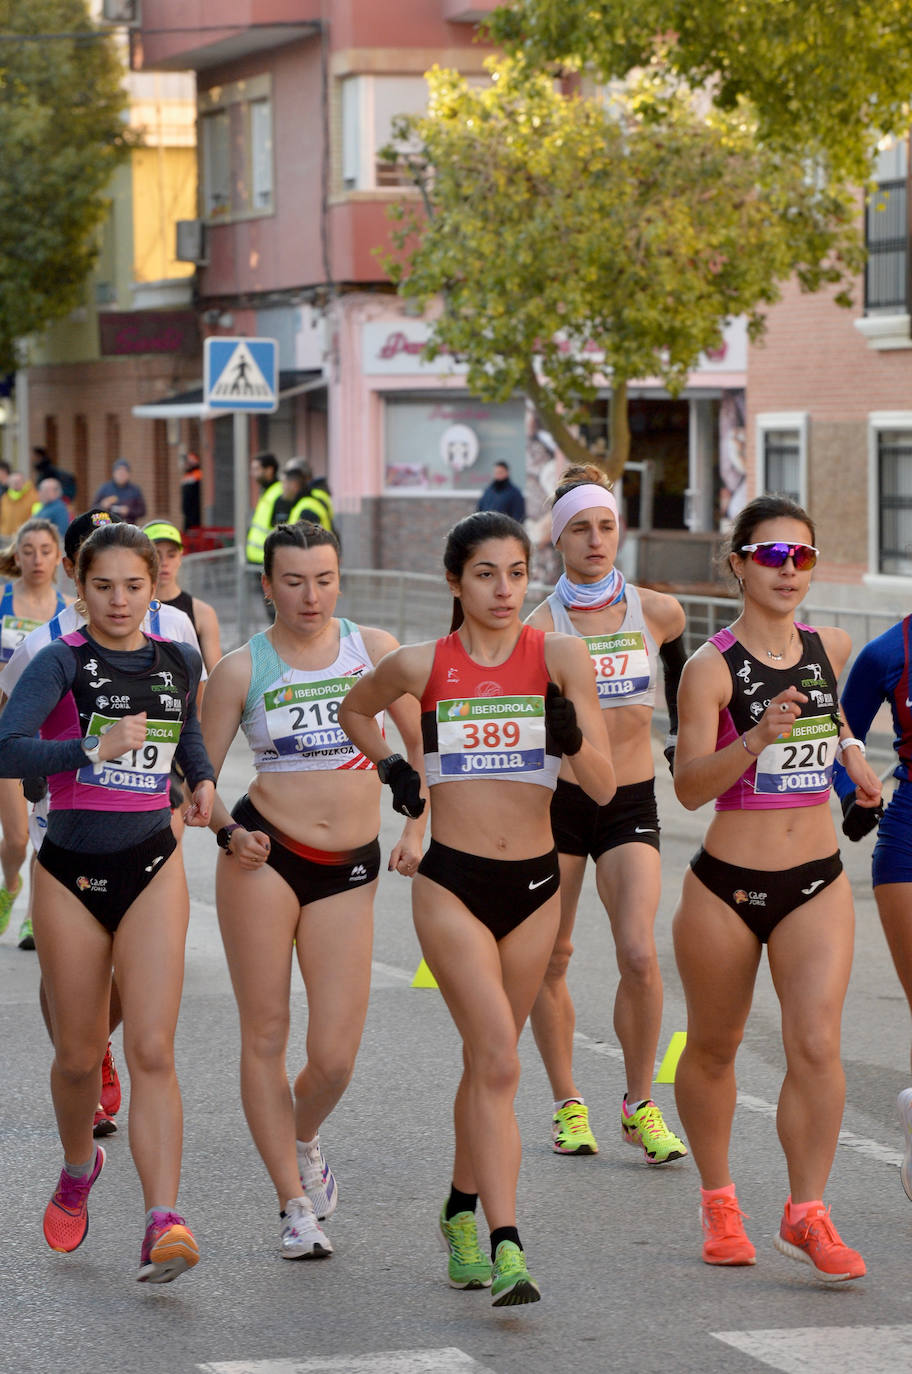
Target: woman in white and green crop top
626,631
300,860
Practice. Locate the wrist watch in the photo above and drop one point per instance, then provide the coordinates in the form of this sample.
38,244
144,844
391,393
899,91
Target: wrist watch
850,743
384,767
90,747
223,836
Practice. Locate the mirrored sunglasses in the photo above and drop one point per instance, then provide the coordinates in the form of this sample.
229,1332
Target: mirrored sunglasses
772,554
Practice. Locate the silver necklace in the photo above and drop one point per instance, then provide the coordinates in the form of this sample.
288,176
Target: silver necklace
777,658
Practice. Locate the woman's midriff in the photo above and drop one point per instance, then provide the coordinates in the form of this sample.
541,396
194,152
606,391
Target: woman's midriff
332,811
772,840
494,820
629,732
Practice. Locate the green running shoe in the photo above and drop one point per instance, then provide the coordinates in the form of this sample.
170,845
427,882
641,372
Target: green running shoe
570,1133
513,1284
467,1266
646,1128
26,935
6,903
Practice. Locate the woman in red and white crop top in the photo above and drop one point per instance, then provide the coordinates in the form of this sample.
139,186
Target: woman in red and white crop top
500,704
759,730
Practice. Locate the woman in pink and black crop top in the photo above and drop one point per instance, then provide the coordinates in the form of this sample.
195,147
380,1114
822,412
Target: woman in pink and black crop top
759,730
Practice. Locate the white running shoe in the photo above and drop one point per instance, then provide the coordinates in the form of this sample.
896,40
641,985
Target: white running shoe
302,1235
904,1103
317,1178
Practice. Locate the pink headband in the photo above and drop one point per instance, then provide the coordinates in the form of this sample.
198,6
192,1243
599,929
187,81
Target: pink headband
583,497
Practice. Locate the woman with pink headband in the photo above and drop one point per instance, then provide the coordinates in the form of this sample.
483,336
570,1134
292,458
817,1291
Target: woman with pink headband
626,630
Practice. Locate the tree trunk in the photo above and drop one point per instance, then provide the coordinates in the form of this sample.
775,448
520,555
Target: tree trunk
619,451
572,448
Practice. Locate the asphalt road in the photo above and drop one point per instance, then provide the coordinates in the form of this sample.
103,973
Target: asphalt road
614,1243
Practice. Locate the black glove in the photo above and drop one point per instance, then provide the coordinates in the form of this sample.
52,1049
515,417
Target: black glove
35,789
671,744
560,720
858,821
406,788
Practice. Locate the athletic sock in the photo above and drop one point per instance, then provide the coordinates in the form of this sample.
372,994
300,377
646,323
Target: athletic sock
631,1107
797,1211
708,1195
565,1102
503,1233
459,1202
81,1170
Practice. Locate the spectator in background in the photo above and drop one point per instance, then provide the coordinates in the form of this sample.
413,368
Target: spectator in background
51,505
264,468
120,495
303,497
16,503
42,467
501,495
4,478
191,485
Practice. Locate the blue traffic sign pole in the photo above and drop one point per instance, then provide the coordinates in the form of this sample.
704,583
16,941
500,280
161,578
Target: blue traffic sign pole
240,377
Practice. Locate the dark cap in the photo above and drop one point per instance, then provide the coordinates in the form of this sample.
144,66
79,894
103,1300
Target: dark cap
78,530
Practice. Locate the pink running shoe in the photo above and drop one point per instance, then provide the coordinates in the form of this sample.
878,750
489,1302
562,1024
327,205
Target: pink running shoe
169,1247
814,1240
66,1217
725,1240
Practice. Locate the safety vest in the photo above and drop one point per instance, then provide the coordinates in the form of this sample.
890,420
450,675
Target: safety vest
261,523
313,507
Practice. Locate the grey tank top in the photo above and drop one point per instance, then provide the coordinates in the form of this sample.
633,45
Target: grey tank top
624,659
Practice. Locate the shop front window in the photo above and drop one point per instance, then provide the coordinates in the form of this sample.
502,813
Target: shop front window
894,470
440,444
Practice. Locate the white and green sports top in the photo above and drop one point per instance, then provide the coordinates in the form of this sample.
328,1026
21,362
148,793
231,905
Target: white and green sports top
291,715
624,659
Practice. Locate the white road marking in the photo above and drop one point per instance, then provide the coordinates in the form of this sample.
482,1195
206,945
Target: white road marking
448,1360
827,1349
388,976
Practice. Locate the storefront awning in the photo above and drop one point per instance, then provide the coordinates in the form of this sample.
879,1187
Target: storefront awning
189,405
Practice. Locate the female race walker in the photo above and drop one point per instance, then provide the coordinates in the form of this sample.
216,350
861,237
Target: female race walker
883,672
759,731
499,704
299,869
113,706
625,631
28,601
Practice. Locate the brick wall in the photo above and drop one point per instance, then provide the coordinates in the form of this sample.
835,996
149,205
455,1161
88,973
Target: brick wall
407,532
90,402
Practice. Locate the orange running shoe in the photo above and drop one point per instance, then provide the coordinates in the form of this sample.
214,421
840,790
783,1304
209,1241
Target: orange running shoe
110,1084
66,1217
169,1247
814,1240
725,1239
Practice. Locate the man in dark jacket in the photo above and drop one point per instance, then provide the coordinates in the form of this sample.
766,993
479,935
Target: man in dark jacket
121,495
500,494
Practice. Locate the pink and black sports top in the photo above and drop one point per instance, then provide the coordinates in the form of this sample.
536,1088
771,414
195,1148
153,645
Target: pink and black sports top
484,722
797,769
99,696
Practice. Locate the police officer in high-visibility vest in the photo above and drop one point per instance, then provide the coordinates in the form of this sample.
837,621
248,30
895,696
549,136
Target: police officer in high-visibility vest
264,470
303,497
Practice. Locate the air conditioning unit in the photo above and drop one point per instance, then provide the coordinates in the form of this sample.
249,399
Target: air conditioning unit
122,12
191,242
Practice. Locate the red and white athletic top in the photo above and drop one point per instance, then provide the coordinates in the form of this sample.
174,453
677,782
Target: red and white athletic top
483,722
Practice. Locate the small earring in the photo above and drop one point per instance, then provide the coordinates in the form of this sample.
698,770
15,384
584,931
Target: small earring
80,607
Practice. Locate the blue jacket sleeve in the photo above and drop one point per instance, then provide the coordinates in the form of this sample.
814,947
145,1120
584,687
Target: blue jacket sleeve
871,680
43,683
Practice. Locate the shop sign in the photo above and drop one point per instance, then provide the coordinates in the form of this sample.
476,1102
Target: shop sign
148,331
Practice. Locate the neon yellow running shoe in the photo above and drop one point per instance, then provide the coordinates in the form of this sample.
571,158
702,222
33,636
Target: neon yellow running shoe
645,1127
513,1284
467,1266
570,1133
26,934
6,903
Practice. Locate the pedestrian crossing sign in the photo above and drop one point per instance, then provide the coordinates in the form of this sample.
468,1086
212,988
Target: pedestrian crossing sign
241,374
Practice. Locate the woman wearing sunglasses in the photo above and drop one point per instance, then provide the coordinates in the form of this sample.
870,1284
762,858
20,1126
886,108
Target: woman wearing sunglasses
759,731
